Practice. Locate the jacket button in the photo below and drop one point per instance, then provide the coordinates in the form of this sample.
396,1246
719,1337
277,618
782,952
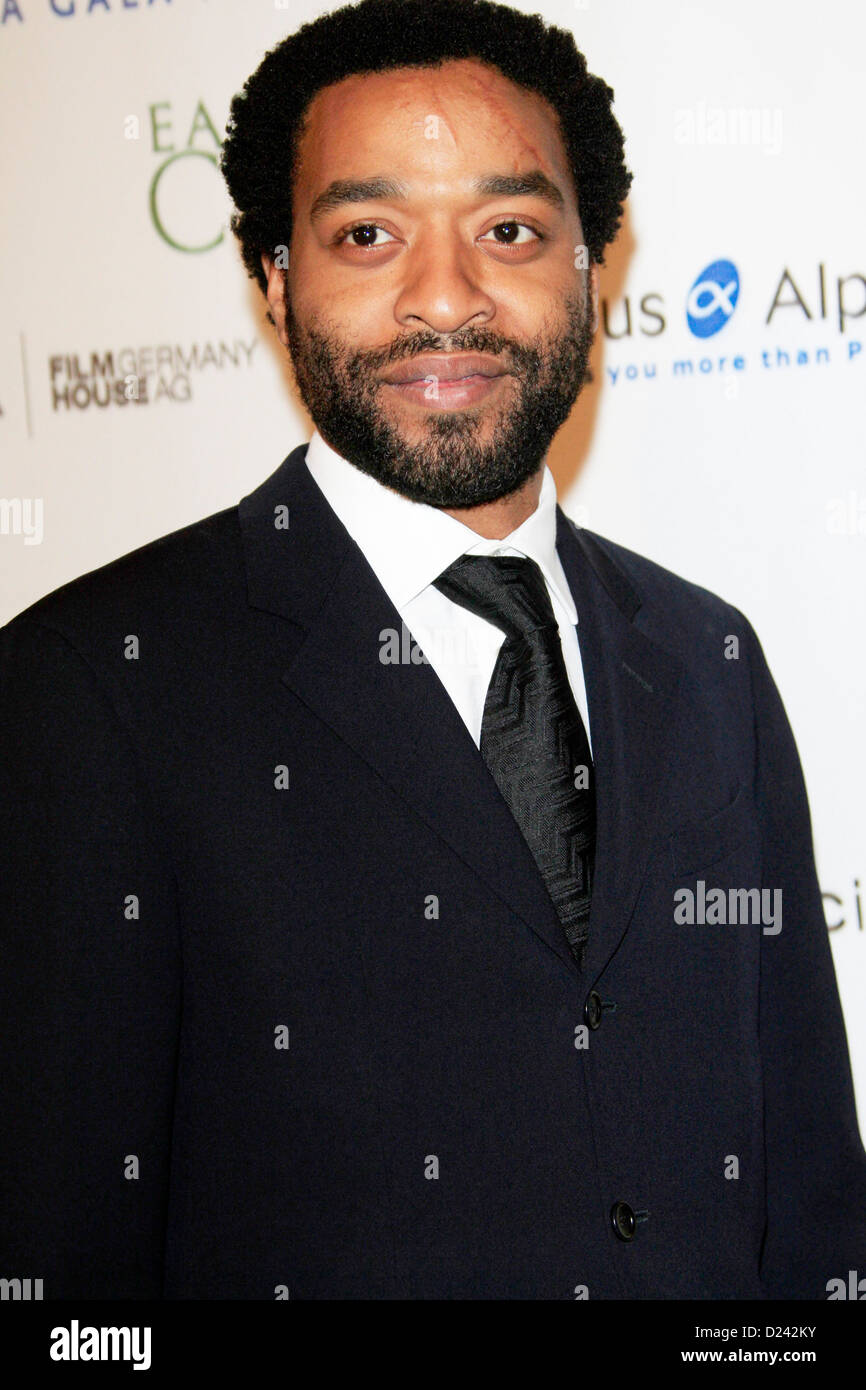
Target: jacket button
623,1218
592,1010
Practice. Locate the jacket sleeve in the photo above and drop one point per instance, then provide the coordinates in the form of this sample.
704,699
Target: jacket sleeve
89,985
815,1163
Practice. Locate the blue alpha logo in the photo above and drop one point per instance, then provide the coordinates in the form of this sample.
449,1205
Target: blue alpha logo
713,298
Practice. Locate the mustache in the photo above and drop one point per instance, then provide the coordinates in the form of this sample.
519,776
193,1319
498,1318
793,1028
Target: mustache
515,356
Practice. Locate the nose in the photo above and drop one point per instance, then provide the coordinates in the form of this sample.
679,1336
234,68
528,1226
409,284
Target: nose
441,289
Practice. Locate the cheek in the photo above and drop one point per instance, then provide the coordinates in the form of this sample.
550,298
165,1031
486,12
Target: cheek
530,312
350,306
536,294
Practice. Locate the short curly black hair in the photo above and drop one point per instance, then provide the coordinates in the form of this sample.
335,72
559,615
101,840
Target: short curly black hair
259,156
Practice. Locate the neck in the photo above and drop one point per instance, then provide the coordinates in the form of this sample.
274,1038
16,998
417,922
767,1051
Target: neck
496,520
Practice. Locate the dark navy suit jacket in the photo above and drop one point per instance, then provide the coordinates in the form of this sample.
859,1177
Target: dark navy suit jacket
442,1122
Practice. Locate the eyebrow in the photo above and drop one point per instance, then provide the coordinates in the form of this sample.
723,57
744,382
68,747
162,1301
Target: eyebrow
534,184
531,185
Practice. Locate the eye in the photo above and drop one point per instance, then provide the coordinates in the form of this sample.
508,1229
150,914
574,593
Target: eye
364,235
513,233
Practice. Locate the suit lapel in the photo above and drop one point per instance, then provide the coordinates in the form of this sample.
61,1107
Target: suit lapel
398,718
401,721
631,686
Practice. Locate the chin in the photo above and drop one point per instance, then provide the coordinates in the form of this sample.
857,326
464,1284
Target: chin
423,422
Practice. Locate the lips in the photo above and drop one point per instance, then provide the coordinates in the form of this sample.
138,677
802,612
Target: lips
443,368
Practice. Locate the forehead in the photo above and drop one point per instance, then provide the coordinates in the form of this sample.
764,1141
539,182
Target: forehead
454,121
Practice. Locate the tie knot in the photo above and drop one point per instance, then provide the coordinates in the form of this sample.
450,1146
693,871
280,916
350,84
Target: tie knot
507,590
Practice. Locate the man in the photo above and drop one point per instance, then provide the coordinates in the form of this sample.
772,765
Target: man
409,894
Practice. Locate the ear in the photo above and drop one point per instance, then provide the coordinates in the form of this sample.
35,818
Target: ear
276,295
593,289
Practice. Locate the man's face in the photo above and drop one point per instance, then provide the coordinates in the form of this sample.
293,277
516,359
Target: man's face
438,325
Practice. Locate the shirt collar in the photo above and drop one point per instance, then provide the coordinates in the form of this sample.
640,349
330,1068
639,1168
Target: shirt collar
408,544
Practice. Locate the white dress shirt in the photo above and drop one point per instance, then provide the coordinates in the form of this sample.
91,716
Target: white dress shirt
408,544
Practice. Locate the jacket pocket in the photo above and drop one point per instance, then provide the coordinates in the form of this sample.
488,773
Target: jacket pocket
708,841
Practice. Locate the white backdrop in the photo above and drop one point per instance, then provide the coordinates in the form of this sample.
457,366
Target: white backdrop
734,457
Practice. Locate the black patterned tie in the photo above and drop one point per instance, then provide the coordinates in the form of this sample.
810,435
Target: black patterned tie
532,736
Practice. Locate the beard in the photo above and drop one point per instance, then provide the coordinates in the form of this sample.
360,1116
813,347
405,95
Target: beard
454,466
